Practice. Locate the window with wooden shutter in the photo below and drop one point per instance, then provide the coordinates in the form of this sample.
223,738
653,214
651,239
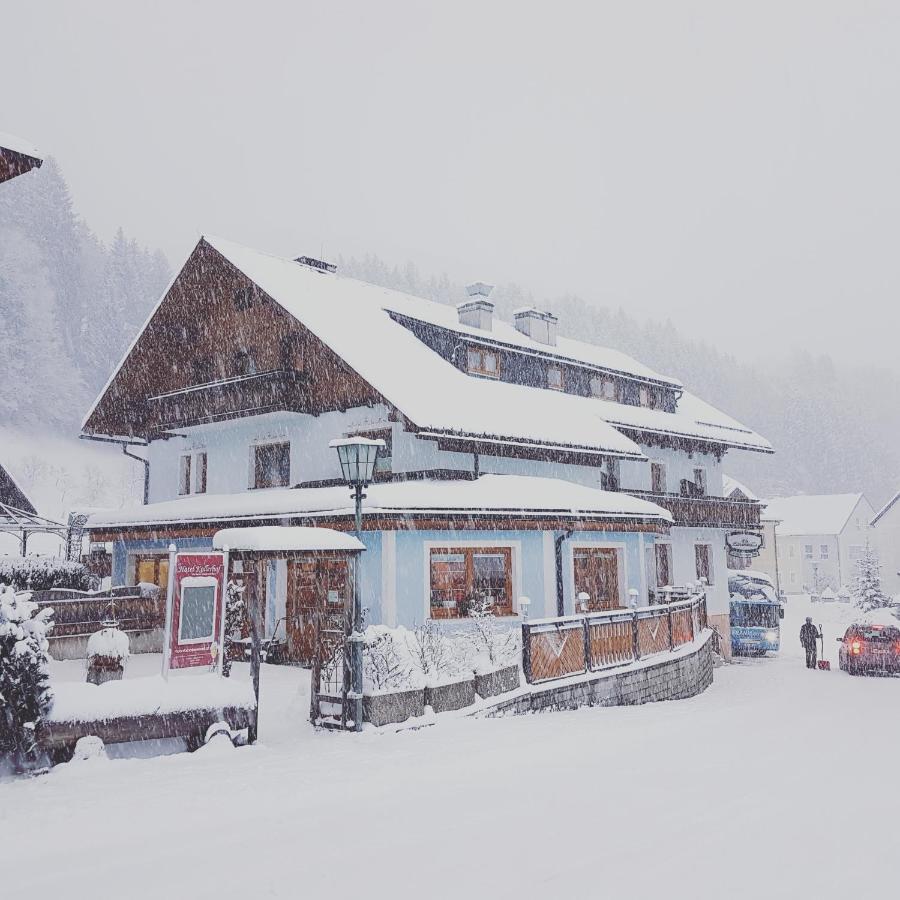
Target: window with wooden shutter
461,576
184,474
703,556
272,465
663,565
555,378
658,477
200,476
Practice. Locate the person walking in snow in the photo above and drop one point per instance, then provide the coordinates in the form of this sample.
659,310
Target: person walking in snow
809,634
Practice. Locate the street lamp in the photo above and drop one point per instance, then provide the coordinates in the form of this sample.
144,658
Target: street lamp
357,456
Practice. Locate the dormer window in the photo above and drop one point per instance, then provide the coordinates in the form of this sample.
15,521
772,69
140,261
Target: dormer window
604,388
483,362
647,397
555,378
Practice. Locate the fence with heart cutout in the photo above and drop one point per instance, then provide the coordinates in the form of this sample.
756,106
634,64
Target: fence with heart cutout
572,645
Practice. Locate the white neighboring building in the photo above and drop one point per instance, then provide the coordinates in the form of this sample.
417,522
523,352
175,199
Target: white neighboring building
819,539
886,540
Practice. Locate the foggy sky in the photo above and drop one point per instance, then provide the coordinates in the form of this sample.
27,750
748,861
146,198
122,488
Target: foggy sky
732,166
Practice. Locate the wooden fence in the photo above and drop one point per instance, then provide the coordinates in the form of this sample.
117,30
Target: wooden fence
76,613
573,645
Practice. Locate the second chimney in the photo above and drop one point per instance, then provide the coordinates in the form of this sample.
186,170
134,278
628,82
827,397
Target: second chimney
477,311
540,326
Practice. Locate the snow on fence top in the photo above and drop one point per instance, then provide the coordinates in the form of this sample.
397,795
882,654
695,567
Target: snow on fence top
513,495
281,537
17,145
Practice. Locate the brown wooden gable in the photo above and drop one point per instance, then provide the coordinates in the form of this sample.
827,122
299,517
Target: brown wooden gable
218,347
13,163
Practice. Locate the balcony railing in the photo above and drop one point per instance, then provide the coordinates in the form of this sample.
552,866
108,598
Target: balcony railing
705,512
229,398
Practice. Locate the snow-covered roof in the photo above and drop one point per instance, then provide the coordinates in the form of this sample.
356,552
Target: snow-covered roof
502,332
356,320
694,419
513,495
884,509
13,495
731,485
285,537
17,145
811,514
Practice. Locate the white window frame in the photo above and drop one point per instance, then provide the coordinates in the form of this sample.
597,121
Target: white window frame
824,551
486,543
562,378
807,551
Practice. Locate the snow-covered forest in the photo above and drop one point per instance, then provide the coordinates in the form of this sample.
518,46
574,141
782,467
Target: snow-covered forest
69,303
74,304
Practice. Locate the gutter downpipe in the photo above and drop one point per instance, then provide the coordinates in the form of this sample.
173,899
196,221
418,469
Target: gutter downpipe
146,463
557,546
125,445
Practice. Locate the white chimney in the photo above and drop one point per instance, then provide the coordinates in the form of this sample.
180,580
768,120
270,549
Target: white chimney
540,326
477,311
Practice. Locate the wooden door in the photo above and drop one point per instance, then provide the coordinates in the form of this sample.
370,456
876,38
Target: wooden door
316,587
154,570
597,574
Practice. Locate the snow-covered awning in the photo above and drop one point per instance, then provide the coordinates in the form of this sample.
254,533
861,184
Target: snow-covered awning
518,496
288,538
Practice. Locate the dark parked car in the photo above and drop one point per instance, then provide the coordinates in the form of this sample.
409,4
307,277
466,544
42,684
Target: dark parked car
868,649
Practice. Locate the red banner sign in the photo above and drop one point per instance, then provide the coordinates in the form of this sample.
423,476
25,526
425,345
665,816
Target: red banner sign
194,623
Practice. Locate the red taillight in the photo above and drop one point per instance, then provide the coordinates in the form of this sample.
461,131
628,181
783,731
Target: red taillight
855,647
897,648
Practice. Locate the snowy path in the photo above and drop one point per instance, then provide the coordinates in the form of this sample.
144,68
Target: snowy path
741,792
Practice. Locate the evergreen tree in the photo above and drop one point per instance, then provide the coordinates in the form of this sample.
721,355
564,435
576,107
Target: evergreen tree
25,694
866,588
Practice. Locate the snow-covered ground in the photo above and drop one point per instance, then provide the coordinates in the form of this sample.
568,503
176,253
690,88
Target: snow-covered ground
777,782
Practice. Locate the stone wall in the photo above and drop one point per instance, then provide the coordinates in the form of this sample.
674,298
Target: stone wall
672,678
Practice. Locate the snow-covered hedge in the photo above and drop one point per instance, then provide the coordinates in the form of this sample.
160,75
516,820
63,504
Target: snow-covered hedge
25,695
41,573
431,654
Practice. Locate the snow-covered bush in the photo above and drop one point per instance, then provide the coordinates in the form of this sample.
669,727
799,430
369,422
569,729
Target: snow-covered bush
495,644
866,587
429,650
385,667
25,694
41,573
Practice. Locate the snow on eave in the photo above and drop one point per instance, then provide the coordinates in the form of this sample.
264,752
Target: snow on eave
20,146
886,508
498,495
285,537
32,509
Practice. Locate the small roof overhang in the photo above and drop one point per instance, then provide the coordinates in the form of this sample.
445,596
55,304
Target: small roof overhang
285,538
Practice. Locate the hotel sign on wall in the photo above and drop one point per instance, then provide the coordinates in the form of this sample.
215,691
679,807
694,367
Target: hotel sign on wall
195,611
744,543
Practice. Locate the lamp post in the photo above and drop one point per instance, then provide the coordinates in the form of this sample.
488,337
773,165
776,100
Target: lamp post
357,456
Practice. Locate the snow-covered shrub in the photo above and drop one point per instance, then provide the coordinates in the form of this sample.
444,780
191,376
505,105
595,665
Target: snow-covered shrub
866,587
25,694
385,666
429,649
495,644
41,573
109,643
235,617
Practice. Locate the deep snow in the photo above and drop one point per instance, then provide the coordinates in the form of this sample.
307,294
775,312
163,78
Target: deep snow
777,782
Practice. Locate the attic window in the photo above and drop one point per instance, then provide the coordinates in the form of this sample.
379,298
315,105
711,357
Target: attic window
604,388
555,378
244,363
483,362
648,397
272,465
243,297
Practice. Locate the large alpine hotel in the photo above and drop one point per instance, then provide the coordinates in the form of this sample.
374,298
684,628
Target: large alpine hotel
516,463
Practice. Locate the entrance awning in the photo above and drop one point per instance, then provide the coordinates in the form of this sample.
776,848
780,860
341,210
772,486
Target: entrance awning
287,538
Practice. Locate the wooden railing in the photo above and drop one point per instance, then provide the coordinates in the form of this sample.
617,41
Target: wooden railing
705,512
573,645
